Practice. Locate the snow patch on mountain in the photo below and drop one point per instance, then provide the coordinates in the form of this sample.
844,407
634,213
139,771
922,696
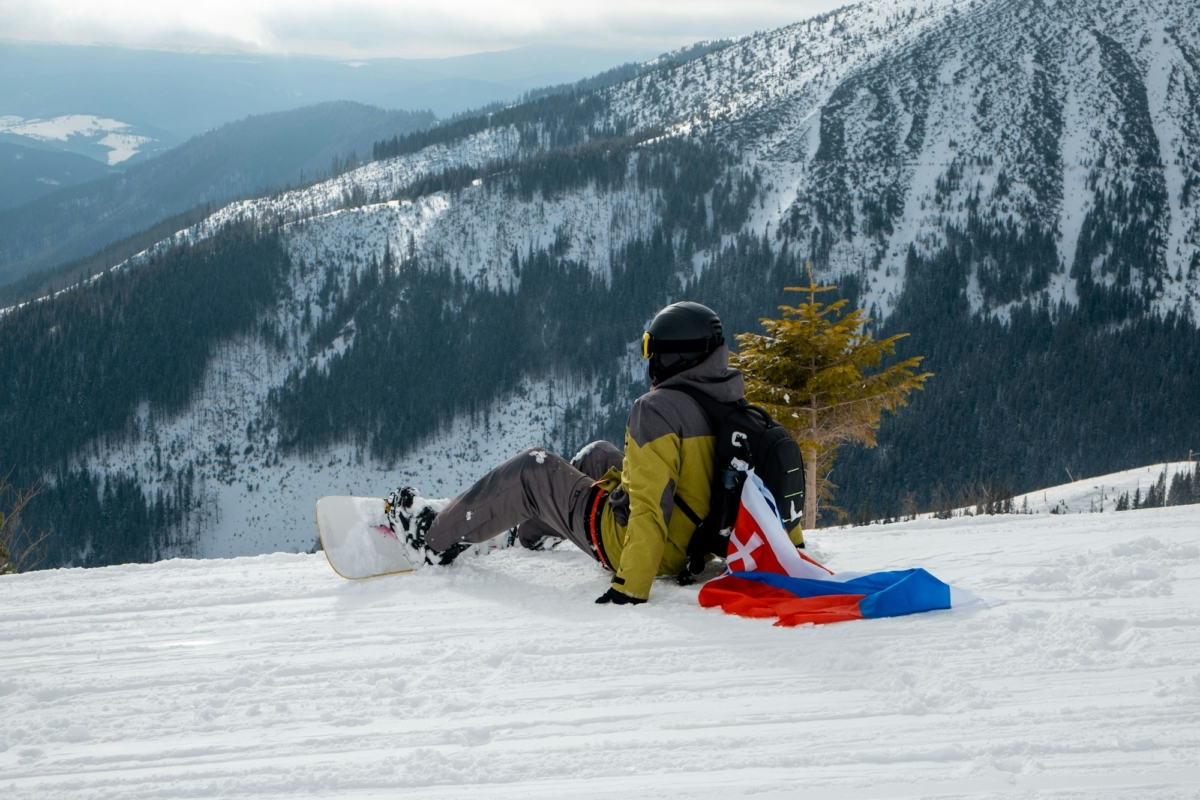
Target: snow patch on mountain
123,146
113,135
61,128
476,230
1099,495
375,182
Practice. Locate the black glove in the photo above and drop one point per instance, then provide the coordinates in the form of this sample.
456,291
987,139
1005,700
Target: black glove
619,598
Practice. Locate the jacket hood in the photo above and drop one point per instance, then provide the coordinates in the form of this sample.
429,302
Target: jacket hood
713,376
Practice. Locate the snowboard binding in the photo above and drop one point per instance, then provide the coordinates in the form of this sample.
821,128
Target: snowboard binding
409,517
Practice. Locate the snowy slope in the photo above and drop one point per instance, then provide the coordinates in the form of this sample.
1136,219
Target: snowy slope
255,500
1100,494
498,677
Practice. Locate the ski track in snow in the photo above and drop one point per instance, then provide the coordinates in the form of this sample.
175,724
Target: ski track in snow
499,677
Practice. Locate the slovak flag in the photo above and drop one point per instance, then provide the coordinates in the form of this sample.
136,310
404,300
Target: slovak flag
766,576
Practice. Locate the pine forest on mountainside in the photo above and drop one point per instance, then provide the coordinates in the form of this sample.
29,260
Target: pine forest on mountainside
1049,285
79,367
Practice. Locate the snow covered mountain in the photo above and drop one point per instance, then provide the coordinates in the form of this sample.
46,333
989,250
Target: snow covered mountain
1065,131
982,173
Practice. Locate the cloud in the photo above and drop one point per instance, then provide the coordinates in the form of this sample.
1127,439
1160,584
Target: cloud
410,28
213,23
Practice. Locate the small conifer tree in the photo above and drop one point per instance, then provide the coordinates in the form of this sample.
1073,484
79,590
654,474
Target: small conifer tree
1156,495
816,371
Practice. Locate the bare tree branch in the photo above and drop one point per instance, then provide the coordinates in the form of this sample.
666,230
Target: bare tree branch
20,550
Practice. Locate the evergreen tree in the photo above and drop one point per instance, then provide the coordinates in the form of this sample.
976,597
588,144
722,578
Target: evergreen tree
817,371
1156,496
1183,488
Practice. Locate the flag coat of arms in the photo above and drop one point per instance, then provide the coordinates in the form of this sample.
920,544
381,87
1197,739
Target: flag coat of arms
766,576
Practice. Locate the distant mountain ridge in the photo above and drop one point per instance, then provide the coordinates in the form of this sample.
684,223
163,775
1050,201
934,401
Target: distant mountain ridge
52,235
31,172
1011,181
109,141
186,94
258,154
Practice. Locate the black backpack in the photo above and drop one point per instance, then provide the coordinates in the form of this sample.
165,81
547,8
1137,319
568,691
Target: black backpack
748,433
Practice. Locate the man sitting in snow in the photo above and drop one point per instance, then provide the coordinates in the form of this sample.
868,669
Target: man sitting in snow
634,512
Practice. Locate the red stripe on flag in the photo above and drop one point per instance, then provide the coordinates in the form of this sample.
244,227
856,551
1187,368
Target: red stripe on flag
819,610
742,597
753,599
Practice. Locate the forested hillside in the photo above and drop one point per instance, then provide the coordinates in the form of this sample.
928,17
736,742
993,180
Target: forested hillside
105,363
31,172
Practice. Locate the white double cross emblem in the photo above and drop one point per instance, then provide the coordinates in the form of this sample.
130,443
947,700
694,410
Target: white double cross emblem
741,552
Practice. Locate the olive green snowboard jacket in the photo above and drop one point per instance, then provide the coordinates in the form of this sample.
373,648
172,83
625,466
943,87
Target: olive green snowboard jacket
670,448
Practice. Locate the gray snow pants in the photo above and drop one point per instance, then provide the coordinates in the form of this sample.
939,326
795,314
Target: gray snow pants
536,491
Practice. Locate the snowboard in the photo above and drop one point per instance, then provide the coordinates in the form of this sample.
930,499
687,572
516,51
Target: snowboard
357,540
359,543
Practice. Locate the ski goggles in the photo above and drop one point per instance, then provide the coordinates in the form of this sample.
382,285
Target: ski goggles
652,346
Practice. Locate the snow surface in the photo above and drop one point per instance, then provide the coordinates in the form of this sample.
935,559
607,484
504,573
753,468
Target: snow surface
271,677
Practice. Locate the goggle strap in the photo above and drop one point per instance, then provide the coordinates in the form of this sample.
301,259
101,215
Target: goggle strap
650,345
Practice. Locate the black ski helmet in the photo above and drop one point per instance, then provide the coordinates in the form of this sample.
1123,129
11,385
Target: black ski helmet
680,337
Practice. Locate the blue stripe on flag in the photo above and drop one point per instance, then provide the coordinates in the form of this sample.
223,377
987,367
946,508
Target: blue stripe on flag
888,594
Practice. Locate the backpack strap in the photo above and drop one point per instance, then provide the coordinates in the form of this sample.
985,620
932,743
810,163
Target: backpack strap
688,511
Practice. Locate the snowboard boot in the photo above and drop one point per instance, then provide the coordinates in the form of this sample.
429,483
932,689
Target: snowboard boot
409,516
546,542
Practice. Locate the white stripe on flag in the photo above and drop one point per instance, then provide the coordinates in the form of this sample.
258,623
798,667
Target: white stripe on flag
757,500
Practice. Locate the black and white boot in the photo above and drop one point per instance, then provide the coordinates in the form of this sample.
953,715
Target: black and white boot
409,516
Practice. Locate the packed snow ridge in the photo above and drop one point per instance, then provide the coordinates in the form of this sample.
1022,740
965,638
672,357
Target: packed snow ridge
271,677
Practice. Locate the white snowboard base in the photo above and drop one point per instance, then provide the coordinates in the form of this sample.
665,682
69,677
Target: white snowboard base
357,540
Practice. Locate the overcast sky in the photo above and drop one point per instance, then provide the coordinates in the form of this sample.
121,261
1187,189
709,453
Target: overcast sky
406,28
